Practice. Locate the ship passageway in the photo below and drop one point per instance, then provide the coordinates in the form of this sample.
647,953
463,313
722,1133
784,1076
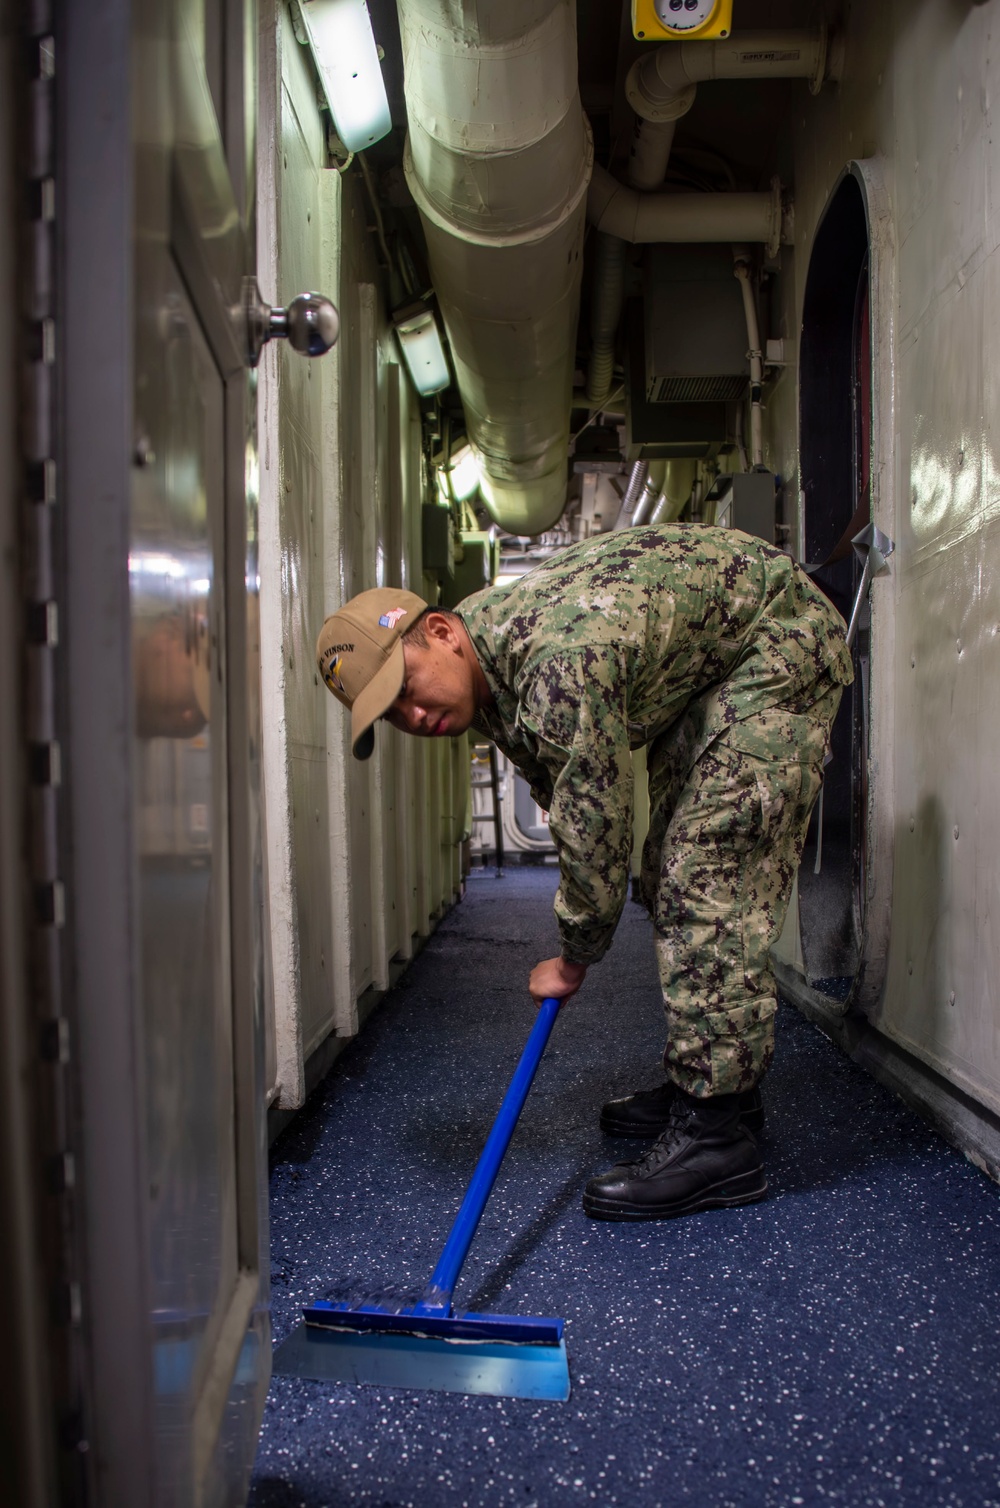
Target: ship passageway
837,1343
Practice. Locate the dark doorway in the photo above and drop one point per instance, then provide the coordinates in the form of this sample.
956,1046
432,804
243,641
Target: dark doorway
835,427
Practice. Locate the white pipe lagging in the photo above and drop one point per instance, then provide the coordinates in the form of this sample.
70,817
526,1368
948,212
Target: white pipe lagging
642,218
498,159
661,87
662,84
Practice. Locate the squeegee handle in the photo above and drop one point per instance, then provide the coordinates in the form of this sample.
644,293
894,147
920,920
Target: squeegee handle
456,1248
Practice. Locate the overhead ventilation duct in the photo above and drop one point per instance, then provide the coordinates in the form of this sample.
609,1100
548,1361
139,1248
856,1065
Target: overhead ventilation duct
498,159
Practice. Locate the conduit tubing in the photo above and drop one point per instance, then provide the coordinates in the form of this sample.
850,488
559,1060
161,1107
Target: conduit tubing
633,492
624,212
756,355
607,294
498,159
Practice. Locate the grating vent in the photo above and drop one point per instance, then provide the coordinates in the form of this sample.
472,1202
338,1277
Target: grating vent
721,388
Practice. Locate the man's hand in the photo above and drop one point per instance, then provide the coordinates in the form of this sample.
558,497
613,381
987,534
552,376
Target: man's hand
556,977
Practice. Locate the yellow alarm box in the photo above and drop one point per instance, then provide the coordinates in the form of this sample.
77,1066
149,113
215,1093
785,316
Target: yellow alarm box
681,20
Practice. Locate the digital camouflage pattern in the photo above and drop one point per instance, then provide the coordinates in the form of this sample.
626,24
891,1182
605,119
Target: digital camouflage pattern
716,652
723,848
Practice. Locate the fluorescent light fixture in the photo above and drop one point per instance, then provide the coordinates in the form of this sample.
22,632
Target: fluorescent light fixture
341,41
422,350
464,474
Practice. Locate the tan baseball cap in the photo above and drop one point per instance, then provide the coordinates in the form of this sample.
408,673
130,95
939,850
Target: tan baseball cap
360,656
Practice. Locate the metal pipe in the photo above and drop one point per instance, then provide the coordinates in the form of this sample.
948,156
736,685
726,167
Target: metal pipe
650,153
646,170
650,493
621,211
498,159
742,272
661,85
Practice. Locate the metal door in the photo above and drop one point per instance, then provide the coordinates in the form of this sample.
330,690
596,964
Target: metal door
193,586
163,675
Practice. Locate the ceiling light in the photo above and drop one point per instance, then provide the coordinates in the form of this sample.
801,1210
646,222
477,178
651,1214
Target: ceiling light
420,343
461,479
341,42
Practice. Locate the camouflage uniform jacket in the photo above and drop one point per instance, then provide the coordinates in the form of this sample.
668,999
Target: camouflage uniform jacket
599,650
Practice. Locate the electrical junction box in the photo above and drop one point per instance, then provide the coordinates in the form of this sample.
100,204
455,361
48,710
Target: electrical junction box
681,20
479,563
745,500
437,531
655,431
695,326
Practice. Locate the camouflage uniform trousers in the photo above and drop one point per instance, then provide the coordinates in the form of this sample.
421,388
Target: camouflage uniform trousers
725,841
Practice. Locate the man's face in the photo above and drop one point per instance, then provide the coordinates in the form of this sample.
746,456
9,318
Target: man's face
438,696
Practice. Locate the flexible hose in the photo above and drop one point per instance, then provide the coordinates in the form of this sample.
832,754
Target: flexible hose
605,311
633,492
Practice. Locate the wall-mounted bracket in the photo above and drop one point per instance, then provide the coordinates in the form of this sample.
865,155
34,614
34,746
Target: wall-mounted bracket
873,549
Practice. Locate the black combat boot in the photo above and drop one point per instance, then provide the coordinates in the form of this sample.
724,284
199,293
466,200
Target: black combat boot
705,1159
647,1112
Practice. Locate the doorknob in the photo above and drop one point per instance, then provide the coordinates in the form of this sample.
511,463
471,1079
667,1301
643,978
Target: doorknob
310,323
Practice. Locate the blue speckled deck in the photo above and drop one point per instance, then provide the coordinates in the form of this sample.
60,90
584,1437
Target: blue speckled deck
839,1343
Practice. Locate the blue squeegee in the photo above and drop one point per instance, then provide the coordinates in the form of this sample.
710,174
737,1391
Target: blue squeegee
427,1344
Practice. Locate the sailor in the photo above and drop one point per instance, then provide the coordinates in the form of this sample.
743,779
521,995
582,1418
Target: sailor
717,654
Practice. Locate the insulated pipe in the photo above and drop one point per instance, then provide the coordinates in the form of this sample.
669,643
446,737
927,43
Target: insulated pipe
650,153
661,84
635,217
498,159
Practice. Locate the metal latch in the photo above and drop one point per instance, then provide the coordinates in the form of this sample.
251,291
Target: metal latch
873,549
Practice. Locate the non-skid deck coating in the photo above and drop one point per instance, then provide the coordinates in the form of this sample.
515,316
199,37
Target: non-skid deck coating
839,1343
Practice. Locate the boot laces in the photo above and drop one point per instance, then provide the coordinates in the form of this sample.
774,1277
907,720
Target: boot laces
677,1131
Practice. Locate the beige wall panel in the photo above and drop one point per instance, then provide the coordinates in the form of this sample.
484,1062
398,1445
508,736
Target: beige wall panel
361,857
361,539
294,258
940,1001
376,877
915,102
301,496
940,366
939,66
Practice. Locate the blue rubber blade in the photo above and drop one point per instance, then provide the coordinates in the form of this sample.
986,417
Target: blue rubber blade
468,1326
411,1361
